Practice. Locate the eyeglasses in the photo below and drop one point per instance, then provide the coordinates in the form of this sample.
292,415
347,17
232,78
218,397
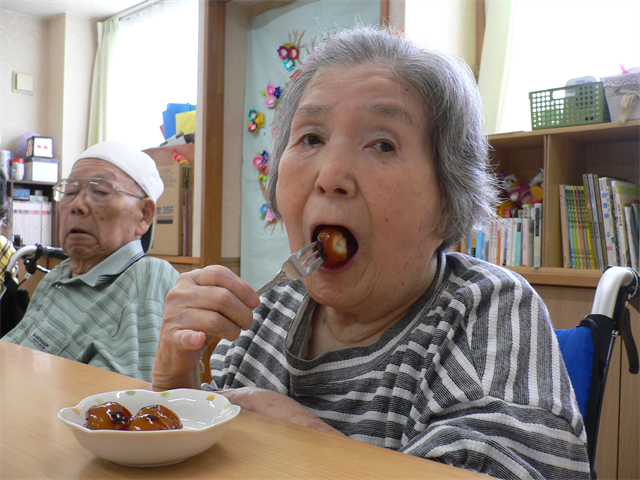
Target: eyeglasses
97,190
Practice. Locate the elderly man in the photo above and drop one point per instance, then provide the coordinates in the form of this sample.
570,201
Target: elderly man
103,305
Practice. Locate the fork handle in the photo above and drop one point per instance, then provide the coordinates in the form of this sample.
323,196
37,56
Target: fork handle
279,278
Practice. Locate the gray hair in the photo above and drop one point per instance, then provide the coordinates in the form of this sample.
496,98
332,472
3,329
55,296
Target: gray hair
468,188
4,203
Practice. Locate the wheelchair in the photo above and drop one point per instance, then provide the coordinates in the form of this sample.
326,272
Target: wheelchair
13,299
587,348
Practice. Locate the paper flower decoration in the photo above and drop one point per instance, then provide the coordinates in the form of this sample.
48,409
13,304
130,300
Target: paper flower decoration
266,213
283,51
271,94
261,162
289,53
256,120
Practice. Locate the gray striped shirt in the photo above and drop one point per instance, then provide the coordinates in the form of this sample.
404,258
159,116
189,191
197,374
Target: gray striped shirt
472,375
110,317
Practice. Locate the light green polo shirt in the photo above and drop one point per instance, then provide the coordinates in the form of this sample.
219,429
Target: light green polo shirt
109,317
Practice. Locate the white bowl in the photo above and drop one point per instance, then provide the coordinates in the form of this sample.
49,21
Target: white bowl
205,416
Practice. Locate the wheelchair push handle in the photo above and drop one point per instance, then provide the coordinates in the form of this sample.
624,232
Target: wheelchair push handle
52,252
614,281
37,251
616,286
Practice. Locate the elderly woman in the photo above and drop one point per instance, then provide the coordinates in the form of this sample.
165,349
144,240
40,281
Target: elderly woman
402,345
103,305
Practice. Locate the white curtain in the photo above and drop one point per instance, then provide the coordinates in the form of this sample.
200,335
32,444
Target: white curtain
107,32
154,62
535,45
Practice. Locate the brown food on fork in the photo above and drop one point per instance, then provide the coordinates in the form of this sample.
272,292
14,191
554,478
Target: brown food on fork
336,246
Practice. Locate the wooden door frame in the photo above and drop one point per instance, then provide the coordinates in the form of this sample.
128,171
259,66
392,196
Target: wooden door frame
212,136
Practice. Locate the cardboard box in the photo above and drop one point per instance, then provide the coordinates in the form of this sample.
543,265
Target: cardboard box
40,147
621,90
39,169
171,221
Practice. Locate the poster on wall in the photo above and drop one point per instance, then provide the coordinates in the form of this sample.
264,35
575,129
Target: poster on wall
279,41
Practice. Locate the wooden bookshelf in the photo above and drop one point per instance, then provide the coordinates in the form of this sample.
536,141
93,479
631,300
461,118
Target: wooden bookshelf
609,149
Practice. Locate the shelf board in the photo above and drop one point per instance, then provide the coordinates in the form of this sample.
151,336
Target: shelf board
31,182
594,133
563,277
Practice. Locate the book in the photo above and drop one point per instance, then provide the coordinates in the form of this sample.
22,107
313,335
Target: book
632,236
498,223
635,235
590,225
586,229
574,225
564,226
623,193
511,255
471,243
492,254
609,221
504,241
517,251
528,233
594,179
537,235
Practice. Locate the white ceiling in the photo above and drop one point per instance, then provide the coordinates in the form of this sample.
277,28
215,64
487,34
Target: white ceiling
102,9
48,9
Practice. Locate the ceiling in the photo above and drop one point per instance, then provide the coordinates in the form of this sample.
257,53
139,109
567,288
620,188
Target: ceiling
48,9
102,9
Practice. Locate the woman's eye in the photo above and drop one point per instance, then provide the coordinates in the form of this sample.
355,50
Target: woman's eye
384,147
311,140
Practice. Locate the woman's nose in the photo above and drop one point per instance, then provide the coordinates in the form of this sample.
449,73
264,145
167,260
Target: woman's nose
336,176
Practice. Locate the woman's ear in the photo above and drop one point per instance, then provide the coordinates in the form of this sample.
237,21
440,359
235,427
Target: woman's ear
148,209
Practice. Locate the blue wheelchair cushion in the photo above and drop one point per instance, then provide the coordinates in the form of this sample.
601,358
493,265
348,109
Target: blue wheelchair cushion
576,345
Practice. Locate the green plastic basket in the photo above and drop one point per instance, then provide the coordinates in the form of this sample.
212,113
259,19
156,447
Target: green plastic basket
567,106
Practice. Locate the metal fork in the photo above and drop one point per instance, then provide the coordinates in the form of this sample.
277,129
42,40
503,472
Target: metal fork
297,266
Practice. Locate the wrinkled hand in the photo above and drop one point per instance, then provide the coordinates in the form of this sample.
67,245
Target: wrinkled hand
204,304
276,405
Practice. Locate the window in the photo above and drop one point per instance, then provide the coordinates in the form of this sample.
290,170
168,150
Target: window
155,62
532,45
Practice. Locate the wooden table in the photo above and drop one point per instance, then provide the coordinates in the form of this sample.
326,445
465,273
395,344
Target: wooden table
36,444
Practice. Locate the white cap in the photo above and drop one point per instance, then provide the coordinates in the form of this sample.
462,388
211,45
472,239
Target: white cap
138,165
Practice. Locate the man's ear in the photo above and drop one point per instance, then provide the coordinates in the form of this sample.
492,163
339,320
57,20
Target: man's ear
148,214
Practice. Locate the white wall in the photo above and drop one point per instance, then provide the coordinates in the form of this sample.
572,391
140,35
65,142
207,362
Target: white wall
24,47
59,54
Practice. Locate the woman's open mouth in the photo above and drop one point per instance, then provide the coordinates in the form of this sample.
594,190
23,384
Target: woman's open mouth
337,243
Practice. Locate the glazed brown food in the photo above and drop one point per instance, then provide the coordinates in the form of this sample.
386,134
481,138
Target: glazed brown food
335,246
114,416
155,417
108,416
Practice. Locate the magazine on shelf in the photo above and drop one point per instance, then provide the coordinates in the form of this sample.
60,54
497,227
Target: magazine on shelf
609,221
632,235
624,194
